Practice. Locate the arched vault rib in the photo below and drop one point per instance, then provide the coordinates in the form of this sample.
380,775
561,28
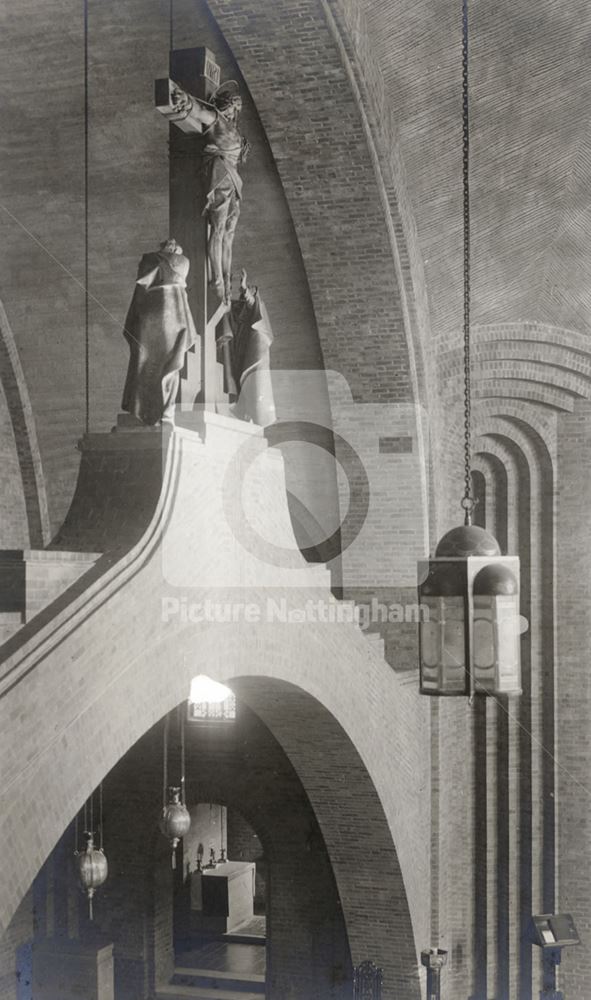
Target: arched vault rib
25,435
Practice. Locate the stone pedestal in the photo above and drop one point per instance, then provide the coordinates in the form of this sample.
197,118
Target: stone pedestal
69,970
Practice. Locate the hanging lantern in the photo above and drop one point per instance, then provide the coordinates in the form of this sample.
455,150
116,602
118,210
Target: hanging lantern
175,821
469,633
92,868
470,627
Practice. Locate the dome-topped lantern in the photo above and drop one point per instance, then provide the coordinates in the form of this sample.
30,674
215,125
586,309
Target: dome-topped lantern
470,625
469,593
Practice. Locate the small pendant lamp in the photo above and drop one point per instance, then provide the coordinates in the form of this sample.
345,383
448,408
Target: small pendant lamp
91,863
175,820
469,634
92,869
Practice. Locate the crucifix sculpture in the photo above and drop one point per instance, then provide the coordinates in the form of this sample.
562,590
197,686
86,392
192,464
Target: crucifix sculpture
206,151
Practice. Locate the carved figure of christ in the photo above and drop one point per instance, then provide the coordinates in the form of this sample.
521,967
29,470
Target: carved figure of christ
224,150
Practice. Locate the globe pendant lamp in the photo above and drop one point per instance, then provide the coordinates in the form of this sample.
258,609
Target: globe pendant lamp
175,820
469,634
92,869
91,863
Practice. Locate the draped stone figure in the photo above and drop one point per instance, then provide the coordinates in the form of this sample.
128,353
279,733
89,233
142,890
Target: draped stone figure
159,329
244,344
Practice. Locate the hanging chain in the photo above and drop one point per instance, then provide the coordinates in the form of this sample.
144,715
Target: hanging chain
182,728
86,237
468,499
165,764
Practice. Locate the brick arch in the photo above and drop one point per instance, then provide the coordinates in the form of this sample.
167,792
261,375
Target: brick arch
350,818
352,821
242,767
335,778
93,672
527,390
549,357
26,482
324,144
521,468
105,666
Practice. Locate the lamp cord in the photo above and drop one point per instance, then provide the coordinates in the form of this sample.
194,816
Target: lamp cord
182,734
86,293
468,499
165,763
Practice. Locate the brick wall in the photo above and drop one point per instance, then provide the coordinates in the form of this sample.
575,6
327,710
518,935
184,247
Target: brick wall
526,377
18,935
573,692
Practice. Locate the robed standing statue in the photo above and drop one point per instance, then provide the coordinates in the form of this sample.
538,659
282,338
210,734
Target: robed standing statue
244,345
159,329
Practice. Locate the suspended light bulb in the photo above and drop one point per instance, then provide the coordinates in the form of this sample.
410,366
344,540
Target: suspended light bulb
470,628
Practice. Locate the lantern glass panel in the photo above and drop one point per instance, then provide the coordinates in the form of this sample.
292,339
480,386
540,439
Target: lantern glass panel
454,645
508,652
431,631
483,634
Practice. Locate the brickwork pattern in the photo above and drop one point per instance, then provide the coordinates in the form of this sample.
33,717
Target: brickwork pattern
321,153
573,692
527,378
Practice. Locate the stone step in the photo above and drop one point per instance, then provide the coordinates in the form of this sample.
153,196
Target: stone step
175,992
240,982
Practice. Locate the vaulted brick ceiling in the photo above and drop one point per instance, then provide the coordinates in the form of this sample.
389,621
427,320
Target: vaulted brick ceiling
530,78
